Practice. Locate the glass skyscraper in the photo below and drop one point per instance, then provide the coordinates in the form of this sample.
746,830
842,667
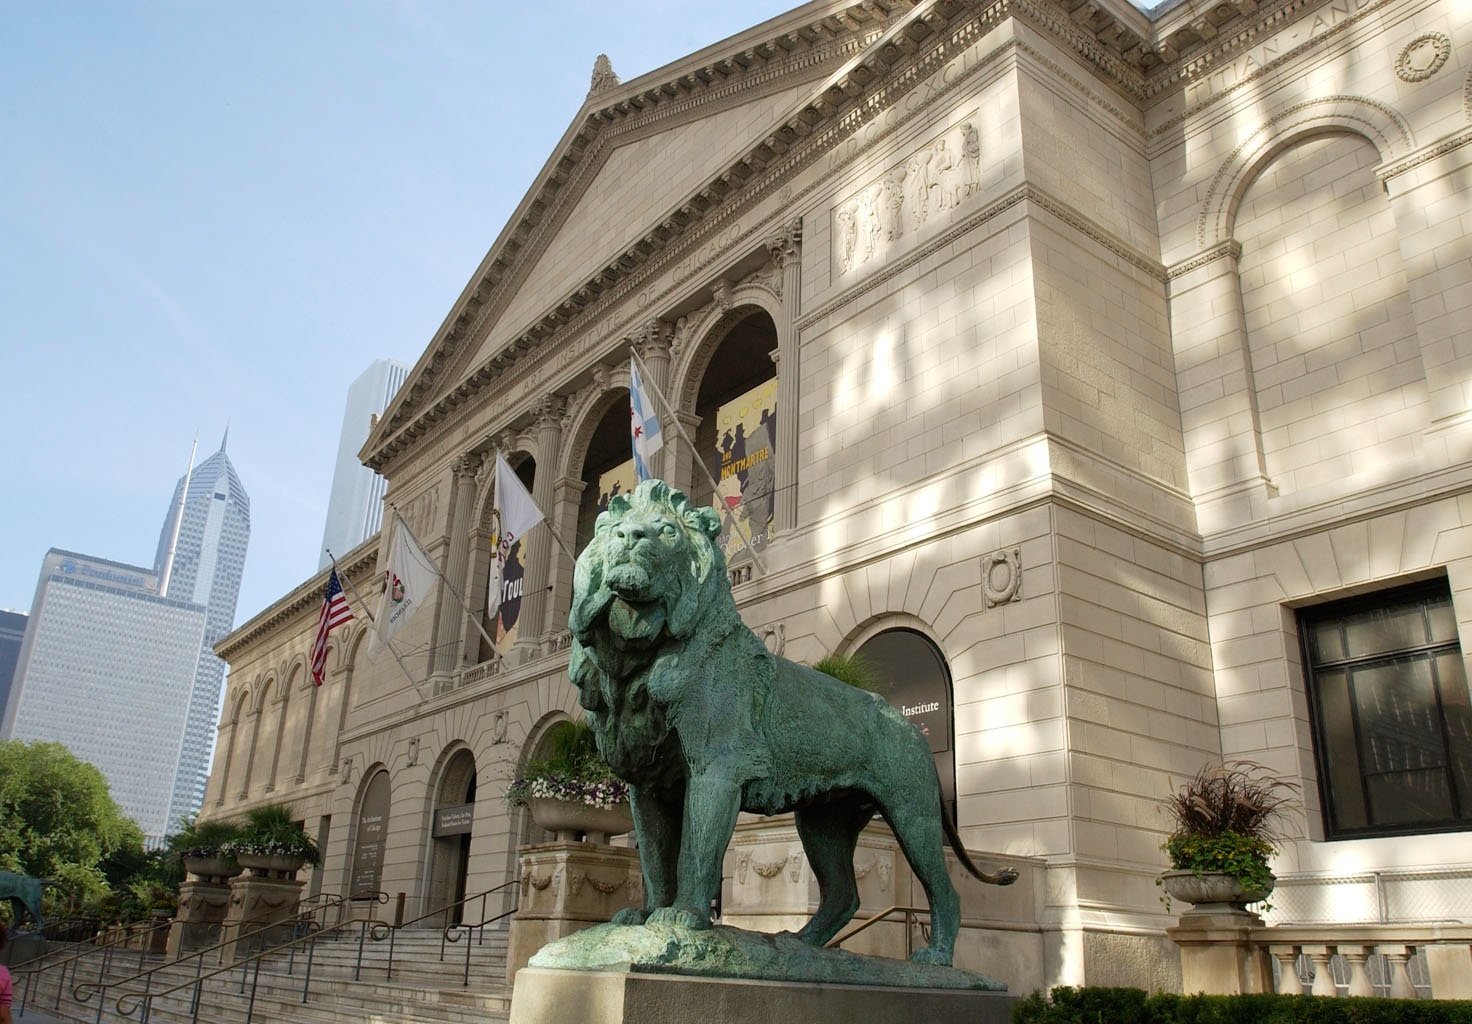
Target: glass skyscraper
355,507
118,661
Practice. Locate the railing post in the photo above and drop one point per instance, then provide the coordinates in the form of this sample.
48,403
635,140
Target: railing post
1398,954
362,934
1359,978
1323,978
1289,983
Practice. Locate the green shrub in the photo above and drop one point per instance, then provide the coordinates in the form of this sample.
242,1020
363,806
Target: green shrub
1132,1006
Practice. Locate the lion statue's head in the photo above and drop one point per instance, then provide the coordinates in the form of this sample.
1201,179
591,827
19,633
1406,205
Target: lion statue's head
652,567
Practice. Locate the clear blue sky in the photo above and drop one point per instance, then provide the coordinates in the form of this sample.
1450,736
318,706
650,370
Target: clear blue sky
219,212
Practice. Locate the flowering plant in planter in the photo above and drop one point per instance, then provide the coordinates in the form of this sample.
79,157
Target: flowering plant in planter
1225,821
572,771
270,830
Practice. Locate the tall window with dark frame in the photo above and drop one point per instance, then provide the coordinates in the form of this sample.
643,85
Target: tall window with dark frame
1391,713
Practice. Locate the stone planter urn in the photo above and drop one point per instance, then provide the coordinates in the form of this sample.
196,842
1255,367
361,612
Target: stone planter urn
1210,892
567,818
272,865
216,869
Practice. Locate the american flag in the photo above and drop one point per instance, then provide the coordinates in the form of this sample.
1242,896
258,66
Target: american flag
335,612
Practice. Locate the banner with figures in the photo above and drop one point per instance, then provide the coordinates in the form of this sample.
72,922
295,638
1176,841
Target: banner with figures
508,614
620,479
746,481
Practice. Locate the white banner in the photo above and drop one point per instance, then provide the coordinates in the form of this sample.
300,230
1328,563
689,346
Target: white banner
408,579
513,513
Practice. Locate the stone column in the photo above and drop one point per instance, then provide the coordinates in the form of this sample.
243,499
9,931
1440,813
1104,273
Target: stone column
562,516
450,634
1219,413
786,250
538,557
478,538
653,344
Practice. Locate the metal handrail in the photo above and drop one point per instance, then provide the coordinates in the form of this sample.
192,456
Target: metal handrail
83,993
454,932
251,965
146,997
104,949
385,930
912,916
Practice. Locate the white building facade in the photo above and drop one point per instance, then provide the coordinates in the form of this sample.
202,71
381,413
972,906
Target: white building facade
1109,374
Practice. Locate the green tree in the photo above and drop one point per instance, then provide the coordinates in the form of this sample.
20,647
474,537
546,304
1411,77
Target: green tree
58,820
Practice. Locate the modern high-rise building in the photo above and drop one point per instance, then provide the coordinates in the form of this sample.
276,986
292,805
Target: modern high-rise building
12,632
106,668
208,559
118,660
355,507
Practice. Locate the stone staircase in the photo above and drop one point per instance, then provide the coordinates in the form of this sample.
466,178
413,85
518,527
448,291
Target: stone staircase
423,989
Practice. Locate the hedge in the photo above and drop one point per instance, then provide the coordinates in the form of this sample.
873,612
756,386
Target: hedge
1133,1006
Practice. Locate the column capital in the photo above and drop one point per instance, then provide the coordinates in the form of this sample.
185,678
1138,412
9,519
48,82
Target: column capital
785,244
550,410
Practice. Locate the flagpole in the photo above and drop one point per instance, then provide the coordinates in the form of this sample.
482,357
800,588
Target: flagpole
715,490
343,578
451,588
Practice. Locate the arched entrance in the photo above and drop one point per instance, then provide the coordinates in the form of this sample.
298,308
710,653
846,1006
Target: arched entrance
920,689
454,820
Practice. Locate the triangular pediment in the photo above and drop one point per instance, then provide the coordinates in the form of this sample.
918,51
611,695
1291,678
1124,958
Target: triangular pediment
637,186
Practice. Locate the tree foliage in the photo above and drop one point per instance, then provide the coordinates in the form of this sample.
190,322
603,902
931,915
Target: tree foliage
58,820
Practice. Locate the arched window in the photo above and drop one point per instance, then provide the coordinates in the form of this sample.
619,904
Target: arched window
737,436
920,689
608,468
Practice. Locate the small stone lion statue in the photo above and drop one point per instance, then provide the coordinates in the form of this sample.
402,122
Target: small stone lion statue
692,710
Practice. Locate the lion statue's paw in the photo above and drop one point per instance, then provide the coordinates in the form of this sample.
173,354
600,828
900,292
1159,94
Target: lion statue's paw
631,916
931,955
675,917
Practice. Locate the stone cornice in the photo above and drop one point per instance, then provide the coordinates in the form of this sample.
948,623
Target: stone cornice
357,565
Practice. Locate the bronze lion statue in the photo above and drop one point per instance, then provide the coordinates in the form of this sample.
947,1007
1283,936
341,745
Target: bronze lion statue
702,721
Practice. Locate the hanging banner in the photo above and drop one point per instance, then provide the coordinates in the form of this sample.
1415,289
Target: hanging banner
746,445
508,614
618,480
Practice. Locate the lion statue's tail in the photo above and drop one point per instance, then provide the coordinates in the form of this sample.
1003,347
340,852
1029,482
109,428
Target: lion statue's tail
1006,876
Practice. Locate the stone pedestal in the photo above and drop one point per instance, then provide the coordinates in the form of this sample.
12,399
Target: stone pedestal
609,997
566,887
255,903
1218,955
202,907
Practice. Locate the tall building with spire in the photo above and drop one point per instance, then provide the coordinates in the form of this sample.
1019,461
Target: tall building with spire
118,660
201,558
355,507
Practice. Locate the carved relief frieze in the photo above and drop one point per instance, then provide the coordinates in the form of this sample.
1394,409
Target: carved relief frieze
934,179
420,512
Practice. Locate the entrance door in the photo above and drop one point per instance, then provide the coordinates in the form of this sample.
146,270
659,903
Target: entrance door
454,822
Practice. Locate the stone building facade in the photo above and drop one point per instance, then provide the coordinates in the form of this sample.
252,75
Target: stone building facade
1114,368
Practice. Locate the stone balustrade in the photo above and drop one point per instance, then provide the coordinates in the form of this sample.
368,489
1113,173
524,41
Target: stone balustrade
1225,956
1447,952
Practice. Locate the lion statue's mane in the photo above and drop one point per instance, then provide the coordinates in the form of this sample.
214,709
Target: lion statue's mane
691,709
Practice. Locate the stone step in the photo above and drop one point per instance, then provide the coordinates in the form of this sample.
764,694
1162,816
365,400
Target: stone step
423,989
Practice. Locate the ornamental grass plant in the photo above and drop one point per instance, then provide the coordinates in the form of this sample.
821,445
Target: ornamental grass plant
1227,819
271,829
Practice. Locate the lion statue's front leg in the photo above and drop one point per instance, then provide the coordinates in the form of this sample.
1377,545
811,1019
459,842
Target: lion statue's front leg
682,845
